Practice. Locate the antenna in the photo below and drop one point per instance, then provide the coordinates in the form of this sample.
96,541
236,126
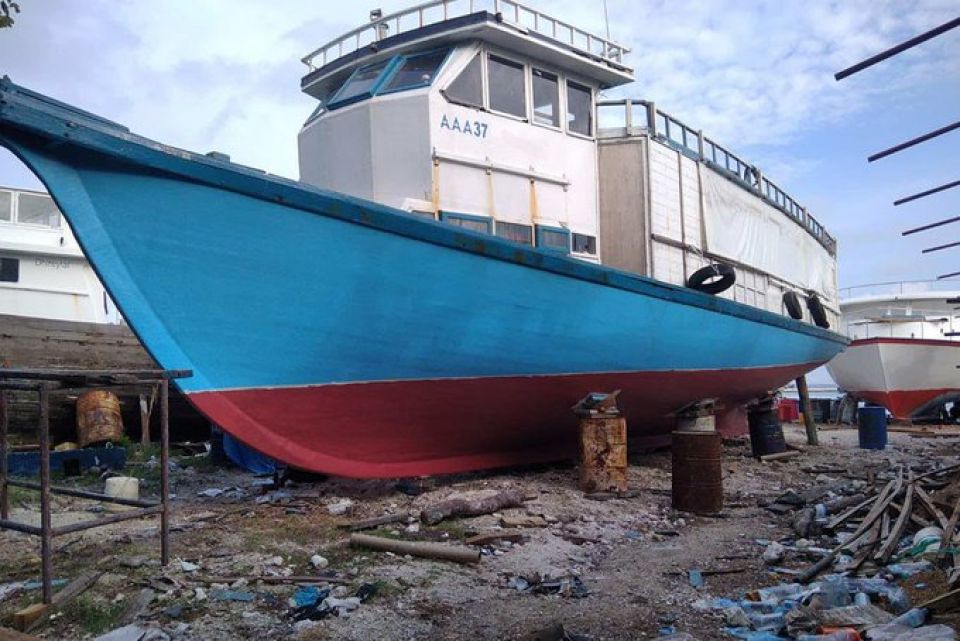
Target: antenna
606,18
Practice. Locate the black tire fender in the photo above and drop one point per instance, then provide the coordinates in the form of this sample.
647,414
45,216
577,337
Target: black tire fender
817,312
792,302
713,279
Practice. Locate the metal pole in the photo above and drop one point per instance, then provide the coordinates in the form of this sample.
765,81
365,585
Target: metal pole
922,194
4,498
914,141
931,226
46,527
892,51
804,393
939,247
948,275
165,471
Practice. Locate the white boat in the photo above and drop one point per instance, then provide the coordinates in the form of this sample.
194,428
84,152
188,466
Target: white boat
43,272
905,347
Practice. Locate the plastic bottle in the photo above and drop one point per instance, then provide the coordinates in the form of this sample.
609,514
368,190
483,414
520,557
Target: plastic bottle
780,592
861,598
837,635
835,592
773,621
912,618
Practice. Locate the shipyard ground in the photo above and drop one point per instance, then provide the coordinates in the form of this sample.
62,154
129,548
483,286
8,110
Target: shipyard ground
632,555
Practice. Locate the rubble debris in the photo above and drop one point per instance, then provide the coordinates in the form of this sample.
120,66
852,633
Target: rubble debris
522,521
555,632
369,524
566,586
319,562
232,595
457,554
487,538
433,514
341,507
134,632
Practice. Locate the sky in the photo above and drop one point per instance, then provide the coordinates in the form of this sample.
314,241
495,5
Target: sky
756,76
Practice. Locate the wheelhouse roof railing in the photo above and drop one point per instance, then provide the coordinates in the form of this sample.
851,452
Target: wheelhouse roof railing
901,287
559,32
616,118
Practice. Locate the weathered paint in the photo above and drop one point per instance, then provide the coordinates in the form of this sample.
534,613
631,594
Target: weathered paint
317,324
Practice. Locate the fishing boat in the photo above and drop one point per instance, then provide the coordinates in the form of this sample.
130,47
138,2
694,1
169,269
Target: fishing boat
904,350
477,241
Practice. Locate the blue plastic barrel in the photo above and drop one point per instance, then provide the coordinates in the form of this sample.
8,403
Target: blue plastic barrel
872,426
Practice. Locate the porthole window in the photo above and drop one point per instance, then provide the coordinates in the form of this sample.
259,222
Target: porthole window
506,86
579,109
546,98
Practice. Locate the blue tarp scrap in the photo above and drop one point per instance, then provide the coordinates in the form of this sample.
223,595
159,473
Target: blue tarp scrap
247,458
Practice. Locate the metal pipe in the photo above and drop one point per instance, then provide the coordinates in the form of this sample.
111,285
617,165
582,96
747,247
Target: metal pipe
948,275
165,472
928,192
931,226
914,141
4,497
46,526
903,46
939,247
83,494
107,520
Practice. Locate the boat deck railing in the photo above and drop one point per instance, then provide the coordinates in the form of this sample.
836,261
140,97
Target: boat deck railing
429,13
949,287
626,117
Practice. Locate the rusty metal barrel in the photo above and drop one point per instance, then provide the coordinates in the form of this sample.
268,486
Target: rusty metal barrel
766,432
697,475
98,418
603,454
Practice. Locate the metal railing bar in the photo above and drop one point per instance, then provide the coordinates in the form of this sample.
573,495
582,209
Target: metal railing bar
931,226
914,141
929,192
903,46
939,247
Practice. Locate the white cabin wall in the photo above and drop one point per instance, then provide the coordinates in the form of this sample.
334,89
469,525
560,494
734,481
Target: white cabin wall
335,151
400,152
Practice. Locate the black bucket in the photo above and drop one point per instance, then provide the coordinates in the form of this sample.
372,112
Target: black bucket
766,434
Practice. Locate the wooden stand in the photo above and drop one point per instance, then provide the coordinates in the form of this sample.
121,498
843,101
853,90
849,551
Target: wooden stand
804,393
45,382
603,453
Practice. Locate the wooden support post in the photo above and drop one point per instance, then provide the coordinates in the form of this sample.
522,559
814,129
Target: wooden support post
146,411
46,526
165,472
4,497
812,437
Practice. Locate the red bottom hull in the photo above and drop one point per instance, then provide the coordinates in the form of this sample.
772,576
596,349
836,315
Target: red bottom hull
905,403
414,428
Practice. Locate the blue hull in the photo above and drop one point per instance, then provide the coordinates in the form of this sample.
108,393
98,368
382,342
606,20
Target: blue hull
257,283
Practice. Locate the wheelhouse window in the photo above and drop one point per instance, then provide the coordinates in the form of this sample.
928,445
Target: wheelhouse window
579,109
467,88
416,71
515,232
361,84
6,206
9,270
553,238
467,221
546,98
506,86
584,244
33,209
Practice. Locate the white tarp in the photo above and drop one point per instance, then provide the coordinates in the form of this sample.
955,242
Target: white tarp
741,227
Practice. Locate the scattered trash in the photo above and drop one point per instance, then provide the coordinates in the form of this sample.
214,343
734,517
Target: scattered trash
231,595
566,586
319,562
187,566
232,492
774,553
134,632
696,578
340,507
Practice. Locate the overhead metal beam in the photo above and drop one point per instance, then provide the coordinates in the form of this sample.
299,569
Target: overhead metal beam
914,141
903,46
948,275
939,247
931,226
928,192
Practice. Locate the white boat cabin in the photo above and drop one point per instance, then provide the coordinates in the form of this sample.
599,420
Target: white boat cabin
43,272
910,309
485,115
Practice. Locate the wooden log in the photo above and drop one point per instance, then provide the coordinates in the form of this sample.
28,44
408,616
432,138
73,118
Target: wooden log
433,514
778,456
811,426
377,521
35,615
497,535
416,548
603,454
840,519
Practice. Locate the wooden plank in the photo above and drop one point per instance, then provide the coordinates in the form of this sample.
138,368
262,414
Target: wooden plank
6,634
924,499
377,521
71,591
496,535
780,455
840,519
896,532
944,603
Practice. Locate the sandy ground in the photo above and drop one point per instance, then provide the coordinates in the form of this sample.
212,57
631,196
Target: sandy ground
633,563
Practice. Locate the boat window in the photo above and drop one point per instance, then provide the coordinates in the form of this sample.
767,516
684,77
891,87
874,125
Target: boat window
515,232
546,98
416,71
37,210
361,84
553,238
467,88
505,80
6,206
584,244
9,270
579,109
467,221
